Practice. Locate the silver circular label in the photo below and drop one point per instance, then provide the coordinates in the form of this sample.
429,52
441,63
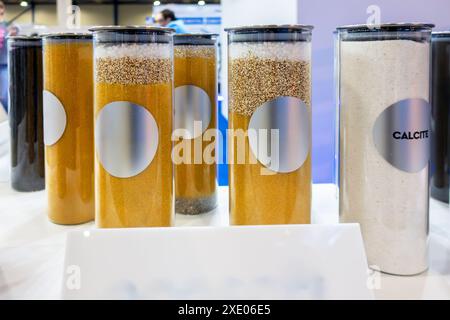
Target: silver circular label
401,134
55,118
192,111
126,138
279,134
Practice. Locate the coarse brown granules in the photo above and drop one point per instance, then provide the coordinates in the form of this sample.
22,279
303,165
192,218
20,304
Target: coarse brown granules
195,184
133,70
146,199
259,73
255,81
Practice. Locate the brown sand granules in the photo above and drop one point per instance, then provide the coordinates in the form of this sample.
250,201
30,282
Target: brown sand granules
68,68
255,78
195,184
255,81
146,199
128,70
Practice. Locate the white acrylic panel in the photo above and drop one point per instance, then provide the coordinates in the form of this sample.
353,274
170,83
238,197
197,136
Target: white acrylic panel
268,262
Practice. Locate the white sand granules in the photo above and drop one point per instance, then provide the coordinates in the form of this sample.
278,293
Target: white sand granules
194,51
132,63
134,50
288,51
391,205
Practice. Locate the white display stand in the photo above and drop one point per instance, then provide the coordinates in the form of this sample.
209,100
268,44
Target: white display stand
268,262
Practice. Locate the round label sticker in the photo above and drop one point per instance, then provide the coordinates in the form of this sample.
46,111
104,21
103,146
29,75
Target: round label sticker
55,118
401,134
126,138
279,134
192,111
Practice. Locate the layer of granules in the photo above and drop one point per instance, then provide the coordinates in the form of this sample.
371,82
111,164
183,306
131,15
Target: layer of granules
254,81
146,199
195,206
191,51
133,70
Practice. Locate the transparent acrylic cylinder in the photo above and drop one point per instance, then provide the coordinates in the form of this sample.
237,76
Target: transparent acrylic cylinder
269,145
68,124
133,126
26,113
383,98
440,102
195,61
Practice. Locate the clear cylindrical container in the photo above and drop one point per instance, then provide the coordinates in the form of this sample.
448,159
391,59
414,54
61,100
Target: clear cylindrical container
384,140
195,60
269,143
133,126
68,127
26,113
440,103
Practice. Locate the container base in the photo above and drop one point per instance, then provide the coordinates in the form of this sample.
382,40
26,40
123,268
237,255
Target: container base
441,194
398,274
72,223
28,187
194,206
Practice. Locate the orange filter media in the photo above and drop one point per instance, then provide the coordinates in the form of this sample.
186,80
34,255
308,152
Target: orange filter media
68,127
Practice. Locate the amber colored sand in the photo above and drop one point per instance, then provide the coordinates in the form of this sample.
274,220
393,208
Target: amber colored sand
146,199
283,198
70,161
197,180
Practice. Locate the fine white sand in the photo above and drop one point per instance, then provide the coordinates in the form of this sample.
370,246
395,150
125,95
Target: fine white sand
291,51
391,205
147,50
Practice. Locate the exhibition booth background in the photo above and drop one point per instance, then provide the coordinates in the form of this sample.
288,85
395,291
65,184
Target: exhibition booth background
325,15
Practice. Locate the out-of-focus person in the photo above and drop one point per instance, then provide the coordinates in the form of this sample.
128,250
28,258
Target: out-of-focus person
5,30
167,18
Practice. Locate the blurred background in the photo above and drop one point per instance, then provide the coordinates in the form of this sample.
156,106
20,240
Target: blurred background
53,13
40,16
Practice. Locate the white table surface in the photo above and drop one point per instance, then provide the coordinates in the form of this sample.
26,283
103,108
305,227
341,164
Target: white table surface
32,248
